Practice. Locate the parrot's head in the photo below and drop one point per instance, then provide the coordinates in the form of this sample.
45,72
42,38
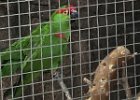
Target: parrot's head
66,11
62,19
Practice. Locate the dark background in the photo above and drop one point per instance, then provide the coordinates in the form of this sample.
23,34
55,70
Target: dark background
98,29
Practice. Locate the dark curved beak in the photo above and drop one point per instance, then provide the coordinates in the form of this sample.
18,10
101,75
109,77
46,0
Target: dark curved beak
74,14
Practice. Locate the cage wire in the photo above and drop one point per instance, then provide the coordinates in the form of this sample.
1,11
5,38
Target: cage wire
98,64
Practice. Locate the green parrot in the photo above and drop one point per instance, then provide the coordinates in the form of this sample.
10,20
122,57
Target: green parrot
41,50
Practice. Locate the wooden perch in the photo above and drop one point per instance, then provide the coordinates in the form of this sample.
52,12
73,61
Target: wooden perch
124,82
107,71
138,96
57,76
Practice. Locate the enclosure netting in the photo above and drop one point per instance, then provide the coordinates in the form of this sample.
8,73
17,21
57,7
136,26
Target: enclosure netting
101,27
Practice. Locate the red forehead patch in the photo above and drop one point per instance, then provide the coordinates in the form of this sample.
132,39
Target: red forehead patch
70,8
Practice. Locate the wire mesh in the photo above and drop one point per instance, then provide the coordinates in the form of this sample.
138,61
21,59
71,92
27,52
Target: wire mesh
101,26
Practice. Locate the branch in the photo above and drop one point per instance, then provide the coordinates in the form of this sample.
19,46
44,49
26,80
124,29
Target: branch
124,82
107,71
87,81
62,85
138,96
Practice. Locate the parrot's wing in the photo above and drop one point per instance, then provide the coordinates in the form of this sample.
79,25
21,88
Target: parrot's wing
12,57
19,51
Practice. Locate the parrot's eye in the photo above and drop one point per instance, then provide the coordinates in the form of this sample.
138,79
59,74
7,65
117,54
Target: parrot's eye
65,12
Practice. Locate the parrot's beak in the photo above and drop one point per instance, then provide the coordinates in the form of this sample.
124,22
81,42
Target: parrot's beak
74,14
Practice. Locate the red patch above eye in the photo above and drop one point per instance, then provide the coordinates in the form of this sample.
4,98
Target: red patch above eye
70,8
61,10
